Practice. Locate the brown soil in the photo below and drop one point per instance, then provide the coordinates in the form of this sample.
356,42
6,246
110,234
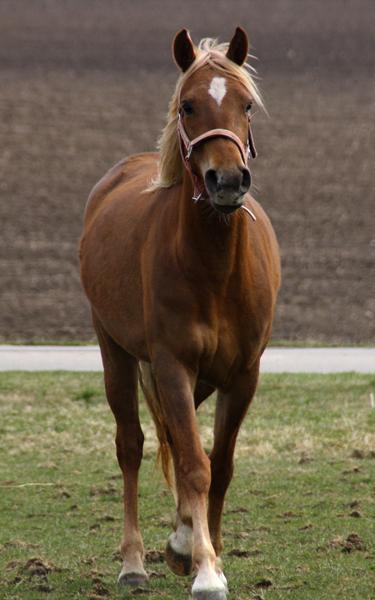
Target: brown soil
85,83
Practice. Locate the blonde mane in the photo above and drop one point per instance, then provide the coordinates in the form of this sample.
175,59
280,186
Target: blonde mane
208,52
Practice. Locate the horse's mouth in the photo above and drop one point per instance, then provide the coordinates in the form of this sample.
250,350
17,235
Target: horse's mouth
227,209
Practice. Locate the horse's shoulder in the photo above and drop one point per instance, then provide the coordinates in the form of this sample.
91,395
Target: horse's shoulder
131,167
259,214
263,236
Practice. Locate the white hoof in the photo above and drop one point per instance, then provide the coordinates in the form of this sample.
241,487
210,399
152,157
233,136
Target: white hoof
223,579
209,585
210,595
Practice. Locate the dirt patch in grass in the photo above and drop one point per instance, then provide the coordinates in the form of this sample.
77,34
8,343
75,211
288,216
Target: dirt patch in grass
351,544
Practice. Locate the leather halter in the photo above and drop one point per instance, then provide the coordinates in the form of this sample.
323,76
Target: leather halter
187,146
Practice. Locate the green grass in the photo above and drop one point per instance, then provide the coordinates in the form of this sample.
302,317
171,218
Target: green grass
304,485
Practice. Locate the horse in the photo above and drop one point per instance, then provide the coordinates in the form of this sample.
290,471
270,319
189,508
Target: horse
181,269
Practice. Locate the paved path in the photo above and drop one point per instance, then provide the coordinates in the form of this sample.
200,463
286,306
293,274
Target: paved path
275,360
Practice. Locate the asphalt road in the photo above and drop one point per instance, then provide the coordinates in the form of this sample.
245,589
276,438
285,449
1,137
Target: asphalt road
274,360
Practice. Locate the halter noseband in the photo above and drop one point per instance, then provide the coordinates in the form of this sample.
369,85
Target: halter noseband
187,146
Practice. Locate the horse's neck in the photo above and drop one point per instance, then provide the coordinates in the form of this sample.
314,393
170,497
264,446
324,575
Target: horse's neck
209,241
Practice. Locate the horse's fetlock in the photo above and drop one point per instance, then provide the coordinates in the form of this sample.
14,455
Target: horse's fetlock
131,548
204,557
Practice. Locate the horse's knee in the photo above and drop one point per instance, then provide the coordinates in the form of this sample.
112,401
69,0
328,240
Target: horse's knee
129,447
197,474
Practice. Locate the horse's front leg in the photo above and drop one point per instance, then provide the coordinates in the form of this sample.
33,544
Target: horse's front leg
175,386
121,383
231,408
180,543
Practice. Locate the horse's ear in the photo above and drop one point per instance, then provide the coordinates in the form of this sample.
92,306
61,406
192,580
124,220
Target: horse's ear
183,50
238,47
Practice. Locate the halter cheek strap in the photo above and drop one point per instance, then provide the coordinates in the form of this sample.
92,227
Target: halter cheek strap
187,146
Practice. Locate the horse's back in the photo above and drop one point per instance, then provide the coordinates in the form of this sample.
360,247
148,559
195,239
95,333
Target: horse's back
129,177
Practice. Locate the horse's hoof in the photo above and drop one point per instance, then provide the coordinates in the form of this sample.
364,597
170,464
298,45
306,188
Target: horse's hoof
223,580
210,595
209,585
132,579
180,564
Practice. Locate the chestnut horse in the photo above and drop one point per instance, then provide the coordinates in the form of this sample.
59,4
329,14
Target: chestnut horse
181,268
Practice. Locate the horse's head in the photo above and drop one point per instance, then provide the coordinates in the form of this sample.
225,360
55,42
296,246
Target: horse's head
214,106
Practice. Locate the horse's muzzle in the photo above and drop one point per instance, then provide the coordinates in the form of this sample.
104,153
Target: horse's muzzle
225,208
227,188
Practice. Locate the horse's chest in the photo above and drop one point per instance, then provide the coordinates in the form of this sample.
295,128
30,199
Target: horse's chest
229,344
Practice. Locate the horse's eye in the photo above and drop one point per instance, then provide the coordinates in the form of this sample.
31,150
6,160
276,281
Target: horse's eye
187,107
249,107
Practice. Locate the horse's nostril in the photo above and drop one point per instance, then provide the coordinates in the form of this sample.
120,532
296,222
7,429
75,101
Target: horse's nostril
210,179
227,182
246,179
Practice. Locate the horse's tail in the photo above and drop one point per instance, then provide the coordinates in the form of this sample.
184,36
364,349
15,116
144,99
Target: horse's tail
150,391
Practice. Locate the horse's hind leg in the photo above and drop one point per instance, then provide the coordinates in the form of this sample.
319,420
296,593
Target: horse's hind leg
121,383
178,552
231,408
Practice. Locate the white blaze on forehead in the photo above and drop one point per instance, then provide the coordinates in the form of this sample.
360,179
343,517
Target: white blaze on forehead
218,89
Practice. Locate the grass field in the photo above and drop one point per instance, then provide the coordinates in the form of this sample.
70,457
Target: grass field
299,517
